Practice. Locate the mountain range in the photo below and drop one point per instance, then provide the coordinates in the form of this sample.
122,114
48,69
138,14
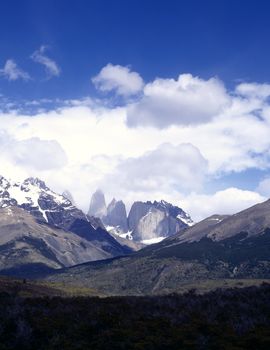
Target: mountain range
40,228
217,248
147,222
43,233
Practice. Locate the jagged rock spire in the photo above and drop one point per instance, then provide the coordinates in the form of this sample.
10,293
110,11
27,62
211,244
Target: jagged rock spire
117,215
97,206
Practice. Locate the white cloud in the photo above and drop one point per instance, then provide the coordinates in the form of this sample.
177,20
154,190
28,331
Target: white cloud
253,90
39,154
228,201
185,101
130,162
158,162
12,72
232,143
50,65
119,79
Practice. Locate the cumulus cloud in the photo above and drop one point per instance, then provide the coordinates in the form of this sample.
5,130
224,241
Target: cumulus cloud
119,79
12,72
51,67
185,101
32,153
228,201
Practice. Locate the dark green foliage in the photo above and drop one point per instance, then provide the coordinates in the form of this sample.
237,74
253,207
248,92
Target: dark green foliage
224,319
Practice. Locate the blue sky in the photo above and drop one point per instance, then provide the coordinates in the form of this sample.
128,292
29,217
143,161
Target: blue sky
224,38
107,87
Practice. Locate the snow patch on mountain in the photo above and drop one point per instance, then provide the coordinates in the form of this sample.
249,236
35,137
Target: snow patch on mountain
116,230
153,240
186,220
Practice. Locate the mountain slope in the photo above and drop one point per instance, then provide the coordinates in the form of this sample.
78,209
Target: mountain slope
252,221
24,241
30,209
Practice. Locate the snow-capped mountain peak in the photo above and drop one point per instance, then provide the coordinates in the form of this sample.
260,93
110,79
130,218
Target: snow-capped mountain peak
41,226
33,195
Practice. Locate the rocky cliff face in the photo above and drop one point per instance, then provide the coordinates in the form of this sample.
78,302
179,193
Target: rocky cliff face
113,217
117,215
147,222
137,211
97,206
156,220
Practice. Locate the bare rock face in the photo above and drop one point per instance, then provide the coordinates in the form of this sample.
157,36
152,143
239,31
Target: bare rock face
154,220
152,225
97,206
137,211
117,215
147,222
